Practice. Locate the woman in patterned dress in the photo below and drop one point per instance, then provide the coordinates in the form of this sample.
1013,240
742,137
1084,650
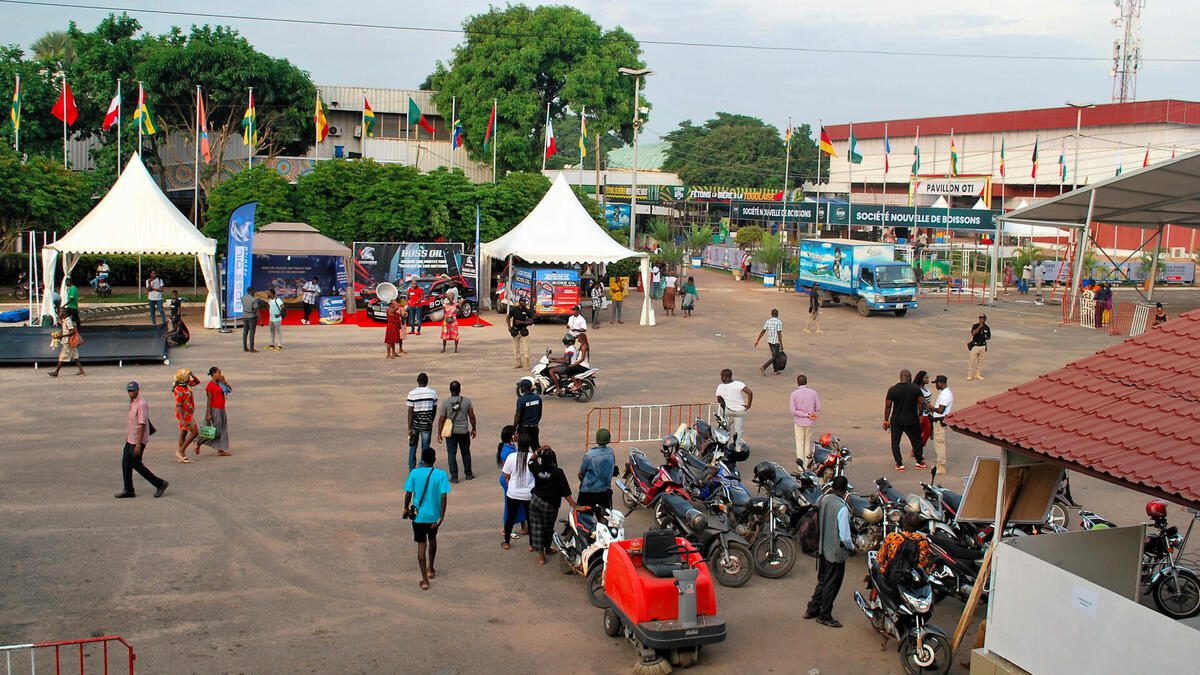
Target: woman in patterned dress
185,409
394,337
450,320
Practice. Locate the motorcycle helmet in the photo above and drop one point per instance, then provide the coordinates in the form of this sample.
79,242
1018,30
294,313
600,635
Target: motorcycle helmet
741,452
568,339
764,472
670,446
1156,508
826,439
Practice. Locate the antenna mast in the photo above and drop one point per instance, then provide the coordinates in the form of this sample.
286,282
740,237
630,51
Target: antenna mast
1127,51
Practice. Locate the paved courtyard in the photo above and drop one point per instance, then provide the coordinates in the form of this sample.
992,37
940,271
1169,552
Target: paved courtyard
290,556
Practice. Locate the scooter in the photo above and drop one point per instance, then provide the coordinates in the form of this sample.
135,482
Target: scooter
712,533
903,614
582,386
660,596
583,546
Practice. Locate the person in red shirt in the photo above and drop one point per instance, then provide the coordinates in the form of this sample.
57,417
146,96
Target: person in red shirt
216,390
415,310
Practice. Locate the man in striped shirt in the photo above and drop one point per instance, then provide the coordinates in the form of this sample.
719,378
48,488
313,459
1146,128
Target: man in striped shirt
773,329
422,406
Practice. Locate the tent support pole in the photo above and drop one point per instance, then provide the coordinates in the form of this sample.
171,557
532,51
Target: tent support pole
139,276
1154,264
1081,249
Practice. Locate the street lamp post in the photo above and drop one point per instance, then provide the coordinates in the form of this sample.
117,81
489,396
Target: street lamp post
1079,107
637,74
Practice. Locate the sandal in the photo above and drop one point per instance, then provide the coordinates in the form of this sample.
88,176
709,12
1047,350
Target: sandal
424,585
182,460
431,574
515,535
505,546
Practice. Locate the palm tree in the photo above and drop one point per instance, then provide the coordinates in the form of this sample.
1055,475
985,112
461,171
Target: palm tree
55,46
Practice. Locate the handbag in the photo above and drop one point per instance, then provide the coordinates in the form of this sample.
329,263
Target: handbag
75,340
208,432
448,425
150,426
411,512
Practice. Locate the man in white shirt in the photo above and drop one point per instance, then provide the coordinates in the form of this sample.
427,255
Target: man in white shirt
941,407
154,296
735,399
656,281
576,324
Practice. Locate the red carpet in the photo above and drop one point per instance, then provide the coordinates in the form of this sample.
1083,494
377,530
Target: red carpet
364,320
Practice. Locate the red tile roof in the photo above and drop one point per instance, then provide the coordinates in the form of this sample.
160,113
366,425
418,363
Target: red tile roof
1129,414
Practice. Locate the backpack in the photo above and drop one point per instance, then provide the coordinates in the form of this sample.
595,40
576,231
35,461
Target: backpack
907,559
808,531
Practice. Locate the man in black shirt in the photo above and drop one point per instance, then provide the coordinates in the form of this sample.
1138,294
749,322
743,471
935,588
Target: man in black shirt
519,321
529,413
980,334
901,411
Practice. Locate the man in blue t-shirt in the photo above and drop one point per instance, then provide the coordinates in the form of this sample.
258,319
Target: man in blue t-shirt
426,490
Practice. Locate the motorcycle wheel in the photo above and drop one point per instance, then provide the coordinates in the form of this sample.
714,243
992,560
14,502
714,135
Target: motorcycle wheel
732,567
586,391
538,388
1058,515
595,586
933,657
660,514
1177,598
630,500
773,562
612,622
21,293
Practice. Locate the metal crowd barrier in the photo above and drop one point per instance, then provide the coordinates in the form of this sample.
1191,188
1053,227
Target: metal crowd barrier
644,423
32,650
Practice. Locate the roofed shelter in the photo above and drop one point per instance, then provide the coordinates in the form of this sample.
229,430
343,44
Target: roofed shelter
302,239
560,230
135,217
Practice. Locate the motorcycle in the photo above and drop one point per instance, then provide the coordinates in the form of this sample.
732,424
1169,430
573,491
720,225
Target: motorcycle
1174,588
903,613
642,483
727,553
582,386
829,458
21,290
100,283
583,546
954,568
705,440
798,491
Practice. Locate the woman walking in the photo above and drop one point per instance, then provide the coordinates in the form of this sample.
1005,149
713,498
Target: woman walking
185,412
450,319
520,485
689,297
814,312
670,288
216,391
394,336
508,446
549,489
68,336
922,380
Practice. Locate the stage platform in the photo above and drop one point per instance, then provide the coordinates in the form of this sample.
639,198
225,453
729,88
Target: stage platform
102,344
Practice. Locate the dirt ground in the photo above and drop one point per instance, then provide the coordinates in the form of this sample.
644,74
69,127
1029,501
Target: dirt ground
290,556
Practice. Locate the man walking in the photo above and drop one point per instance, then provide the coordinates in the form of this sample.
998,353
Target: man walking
596,473
137,434
901,413
154,298
529,413
576,324
773,329
275,307
836,546
805,404
1039,277
249,319
422,404
461,414
425,504
310,294
942,406
735,399
980,334
519,321
814,312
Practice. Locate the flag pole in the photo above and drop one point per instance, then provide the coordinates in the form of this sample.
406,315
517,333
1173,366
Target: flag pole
196,171
17,130
495,135
817,212
363,125
64,119
787,158
883,195
453,117
546,140
120,106
596,151
317,131
582,142
139,150
253,132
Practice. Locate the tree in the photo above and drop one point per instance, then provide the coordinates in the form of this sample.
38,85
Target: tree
566,139
38,194
261,184
740,151
529,58
40,133
54,47
749,236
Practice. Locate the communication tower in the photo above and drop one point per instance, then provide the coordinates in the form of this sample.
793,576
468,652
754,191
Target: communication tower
1127,51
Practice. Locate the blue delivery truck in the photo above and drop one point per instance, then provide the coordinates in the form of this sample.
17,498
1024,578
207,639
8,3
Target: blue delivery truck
865,274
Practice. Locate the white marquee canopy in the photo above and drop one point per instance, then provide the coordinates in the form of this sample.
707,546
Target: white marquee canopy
135,217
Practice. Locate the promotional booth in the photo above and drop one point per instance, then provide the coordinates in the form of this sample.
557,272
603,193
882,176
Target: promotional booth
286,255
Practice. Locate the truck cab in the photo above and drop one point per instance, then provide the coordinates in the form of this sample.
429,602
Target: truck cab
886,286
864,274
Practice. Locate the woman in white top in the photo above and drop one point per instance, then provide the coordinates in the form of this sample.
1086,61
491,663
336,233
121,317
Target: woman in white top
520,486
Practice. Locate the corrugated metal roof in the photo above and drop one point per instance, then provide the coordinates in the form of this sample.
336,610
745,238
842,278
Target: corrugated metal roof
381,100
651,157
1129,414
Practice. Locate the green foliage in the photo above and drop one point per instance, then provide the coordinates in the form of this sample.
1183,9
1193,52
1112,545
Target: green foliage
738,150
698,237
566,140
260,184
54,47
624,268
1027,255
770,252
40,133
529,58
672,253
749,236
38,194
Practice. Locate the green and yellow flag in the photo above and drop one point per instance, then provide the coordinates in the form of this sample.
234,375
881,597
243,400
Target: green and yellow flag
16,106
368,118
142,115
249,126
583,132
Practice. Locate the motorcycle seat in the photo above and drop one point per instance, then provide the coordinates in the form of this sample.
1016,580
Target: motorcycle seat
894,496
586,374
657,556
877,577
643,465
820,454
587,521
694,463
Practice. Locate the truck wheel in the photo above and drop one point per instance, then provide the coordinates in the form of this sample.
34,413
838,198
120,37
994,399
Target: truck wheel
863,308
900,312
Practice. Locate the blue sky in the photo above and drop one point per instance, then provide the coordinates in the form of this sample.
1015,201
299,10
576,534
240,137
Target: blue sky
694,82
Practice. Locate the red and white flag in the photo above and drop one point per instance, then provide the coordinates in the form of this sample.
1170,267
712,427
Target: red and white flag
114,112
551,148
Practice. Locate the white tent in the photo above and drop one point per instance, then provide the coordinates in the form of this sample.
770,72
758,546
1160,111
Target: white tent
560,230
135,217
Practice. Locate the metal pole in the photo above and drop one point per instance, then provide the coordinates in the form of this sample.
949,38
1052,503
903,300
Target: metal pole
453,119
253,133
195,173
1081,248
637,122
139,126
495,135
64,120
17,132
120,106
1075,171
816,221
787,157
546,140
1154,264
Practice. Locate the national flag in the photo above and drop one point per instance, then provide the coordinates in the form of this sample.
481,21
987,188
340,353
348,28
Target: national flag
114,112
1062,162
319,120
1146,159
916,165
551,148
887,150
853,155
583,133
142,115
1002,157
953,157
1119,167
787,134
826,145
204,147
457,140
368,119
15,114
415,113
1034,158
250,125
1172,152
64,108
491,127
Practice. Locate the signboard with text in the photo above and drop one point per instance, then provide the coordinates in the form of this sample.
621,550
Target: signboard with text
869,215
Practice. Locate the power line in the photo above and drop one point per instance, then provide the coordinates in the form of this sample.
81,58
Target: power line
664,43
